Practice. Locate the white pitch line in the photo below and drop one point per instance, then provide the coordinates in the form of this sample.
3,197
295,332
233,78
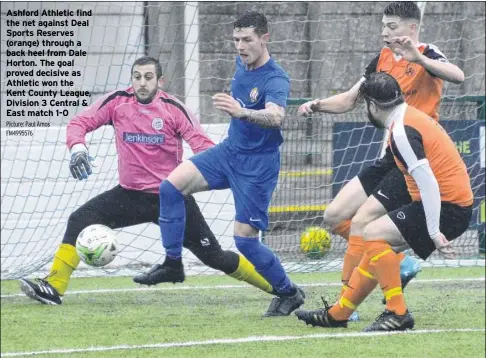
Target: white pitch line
225,341
226,287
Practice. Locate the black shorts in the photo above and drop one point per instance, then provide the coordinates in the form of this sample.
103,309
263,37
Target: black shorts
411,222
391,190
371,176
119,207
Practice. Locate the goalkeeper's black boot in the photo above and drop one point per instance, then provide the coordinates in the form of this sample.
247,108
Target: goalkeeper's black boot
284,305
40,290
320,317
169,271
389,321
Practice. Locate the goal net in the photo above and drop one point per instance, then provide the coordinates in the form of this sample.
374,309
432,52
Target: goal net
323,46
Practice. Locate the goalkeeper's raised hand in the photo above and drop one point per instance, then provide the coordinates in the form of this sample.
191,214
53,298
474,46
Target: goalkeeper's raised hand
80,164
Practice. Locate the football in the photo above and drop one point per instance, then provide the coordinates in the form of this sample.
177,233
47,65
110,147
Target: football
96,245
315,242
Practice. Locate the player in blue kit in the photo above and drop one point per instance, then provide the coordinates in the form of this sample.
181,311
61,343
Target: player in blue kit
248,162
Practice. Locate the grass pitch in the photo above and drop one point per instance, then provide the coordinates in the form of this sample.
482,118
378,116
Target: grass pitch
150,323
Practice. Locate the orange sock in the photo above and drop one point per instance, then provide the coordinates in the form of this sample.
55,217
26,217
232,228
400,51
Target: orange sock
361,284
385,266
343,229
352,258
401,256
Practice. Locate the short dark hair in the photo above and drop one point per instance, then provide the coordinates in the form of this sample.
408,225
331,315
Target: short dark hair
404,10
147,60
382,89
253,19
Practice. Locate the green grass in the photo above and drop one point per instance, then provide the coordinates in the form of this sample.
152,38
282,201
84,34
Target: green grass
139,318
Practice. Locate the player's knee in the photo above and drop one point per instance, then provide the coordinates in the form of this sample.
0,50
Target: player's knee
168,192
360,221
167,188
333,216
370,211
162,191
371,232
227,262
245,230
81,219
246,245
209,258
77,222
76,216
171,202
217,259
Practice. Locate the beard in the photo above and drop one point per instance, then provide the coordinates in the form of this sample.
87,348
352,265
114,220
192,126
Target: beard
373,120
147,98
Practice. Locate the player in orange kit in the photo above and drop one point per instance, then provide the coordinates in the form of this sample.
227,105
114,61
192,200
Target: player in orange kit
440,211
420,70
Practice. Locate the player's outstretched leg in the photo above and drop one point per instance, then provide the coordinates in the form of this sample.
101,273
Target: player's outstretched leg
108,208
289,296
172,218
200,240
50,289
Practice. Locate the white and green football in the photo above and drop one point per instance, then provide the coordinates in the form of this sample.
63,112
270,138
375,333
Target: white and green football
96,245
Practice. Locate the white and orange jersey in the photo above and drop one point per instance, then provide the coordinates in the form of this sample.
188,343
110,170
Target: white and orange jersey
416,140
421,89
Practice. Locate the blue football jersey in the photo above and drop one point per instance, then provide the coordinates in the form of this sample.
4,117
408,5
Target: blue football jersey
252,89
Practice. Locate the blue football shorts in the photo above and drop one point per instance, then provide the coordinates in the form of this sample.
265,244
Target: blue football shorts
252,177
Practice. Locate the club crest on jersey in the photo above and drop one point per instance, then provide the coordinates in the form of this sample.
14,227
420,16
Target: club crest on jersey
254,95
410,71
158,124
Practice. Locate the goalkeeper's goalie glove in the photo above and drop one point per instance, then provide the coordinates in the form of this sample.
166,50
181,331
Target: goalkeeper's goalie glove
81,162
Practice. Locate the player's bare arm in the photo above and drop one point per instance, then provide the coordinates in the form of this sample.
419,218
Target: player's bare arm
444,70
270,117
339,103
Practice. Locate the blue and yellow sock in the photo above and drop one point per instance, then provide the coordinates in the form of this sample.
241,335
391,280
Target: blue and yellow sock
265,262
246,272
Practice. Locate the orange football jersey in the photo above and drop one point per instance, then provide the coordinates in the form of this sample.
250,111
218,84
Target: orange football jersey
416,138
420,88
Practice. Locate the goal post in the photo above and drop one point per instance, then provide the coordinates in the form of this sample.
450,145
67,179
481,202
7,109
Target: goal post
324,46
